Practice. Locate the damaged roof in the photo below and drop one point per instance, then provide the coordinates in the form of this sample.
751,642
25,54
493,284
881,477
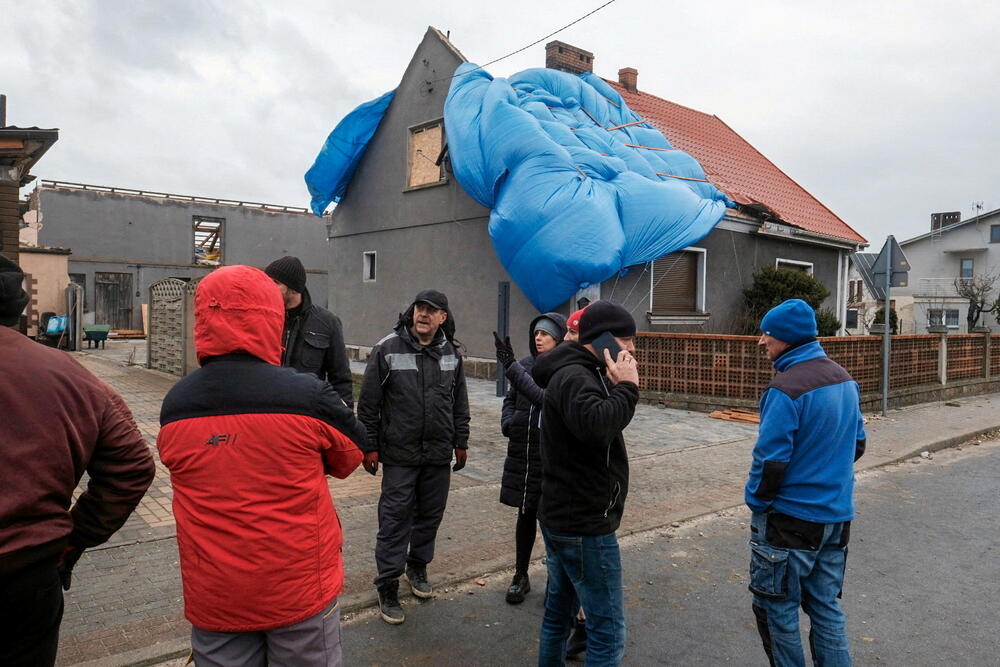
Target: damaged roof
736,167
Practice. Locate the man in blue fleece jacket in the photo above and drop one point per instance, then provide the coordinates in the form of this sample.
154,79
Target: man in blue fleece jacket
800,491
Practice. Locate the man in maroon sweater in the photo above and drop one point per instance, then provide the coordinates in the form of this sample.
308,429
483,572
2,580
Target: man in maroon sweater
57,421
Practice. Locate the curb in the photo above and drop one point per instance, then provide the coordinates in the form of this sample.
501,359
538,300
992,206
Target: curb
358,602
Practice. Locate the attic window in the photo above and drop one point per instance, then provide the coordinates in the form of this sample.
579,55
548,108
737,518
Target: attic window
208,235
423,166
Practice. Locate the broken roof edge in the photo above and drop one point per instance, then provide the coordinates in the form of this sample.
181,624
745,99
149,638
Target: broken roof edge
446,40
51,184
859,238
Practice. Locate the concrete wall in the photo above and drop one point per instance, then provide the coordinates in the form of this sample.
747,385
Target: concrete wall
152,238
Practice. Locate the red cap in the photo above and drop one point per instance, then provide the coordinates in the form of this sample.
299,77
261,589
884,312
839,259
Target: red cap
573,323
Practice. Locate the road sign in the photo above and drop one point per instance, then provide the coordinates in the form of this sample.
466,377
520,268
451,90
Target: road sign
900,266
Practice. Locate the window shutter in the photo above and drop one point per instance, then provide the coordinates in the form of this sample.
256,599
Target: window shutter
675,283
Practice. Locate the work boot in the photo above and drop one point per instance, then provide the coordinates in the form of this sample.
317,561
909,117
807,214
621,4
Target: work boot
388,603
417,576
577,644
519,587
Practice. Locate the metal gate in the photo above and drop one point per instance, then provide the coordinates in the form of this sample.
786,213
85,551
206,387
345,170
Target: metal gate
113,299
171,327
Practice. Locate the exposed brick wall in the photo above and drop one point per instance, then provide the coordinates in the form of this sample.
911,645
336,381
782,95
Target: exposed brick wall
568,58
9,226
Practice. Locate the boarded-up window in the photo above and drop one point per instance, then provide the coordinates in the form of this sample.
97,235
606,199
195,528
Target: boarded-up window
425,148
675,283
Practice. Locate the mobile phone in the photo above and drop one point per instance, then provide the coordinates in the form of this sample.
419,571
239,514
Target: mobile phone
606,342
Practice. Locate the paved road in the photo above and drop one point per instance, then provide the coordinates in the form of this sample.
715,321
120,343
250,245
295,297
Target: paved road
921,586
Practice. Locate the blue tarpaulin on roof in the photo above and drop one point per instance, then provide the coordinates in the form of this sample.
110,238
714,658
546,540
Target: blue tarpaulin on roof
579,187
327,179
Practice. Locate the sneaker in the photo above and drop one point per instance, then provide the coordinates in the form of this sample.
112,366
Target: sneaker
577,644
388,603
416,575
519,587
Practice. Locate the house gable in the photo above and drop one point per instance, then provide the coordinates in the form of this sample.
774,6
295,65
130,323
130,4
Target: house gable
380,196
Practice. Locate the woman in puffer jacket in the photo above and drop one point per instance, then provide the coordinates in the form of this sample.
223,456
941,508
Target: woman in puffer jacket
522,470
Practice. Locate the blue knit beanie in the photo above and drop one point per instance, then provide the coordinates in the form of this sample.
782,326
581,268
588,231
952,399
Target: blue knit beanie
793,322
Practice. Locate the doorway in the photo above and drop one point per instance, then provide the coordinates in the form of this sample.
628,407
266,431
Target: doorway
113,297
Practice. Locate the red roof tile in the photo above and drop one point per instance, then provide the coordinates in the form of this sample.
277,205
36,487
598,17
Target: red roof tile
736,167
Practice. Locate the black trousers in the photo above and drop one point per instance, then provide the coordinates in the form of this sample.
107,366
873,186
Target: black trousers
31,608
409,512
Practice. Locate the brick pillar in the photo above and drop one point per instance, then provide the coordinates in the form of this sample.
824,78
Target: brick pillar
9,220
943,359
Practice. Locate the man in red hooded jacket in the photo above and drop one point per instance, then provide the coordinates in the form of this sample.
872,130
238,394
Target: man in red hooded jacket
248,444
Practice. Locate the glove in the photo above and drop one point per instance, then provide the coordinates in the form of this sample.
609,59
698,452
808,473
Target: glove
65,565
461,455
371,462
505,353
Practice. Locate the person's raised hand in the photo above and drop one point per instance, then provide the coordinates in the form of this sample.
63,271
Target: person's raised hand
505,352
622,369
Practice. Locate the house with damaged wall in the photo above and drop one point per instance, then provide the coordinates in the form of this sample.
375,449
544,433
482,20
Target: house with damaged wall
405,223
124,240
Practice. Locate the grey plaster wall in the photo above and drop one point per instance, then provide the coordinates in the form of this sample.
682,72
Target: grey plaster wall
152,238
457,259
376,197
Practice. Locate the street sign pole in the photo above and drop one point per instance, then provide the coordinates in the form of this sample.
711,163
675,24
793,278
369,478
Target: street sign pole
886,335
503,329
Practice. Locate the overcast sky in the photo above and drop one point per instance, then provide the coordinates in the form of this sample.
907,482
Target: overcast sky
885,111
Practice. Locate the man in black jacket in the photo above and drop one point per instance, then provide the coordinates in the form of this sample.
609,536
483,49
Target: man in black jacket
414,405
590,398
313,337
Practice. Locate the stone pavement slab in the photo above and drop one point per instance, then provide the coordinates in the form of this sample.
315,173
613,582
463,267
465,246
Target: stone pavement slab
126,595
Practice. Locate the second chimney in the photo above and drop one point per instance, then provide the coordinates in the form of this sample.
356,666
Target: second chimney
628,77
560,55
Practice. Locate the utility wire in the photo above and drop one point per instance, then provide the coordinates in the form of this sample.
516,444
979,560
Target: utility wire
524,48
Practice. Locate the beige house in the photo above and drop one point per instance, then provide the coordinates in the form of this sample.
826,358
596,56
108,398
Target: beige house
46,276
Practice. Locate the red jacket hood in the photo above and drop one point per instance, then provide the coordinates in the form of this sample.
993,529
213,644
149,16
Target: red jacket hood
238,309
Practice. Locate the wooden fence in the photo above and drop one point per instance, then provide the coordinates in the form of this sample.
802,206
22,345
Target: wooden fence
708,370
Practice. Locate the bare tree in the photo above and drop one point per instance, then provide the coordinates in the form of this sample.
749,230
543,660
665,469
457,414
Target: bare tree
978,290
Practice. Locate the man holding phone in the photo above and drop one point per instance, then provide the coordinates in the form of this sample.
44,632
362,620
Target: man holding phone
591,390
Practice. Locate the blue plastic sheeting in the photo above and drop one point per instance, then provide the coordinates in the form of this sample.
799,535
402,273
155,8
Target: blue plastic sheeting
334,167
572,202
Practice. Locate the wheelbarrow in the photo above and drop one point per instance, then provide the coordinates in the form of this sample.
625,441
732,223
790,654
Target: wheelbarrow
96,334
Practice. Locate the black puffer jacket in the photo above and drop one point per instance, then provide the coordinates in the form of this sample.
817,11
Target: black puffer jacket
413,400
584,462
314,343
522,408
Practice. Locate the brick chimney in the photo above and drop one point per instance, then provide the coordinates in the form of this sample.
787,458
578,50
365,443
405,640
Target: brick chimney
560,55
629,78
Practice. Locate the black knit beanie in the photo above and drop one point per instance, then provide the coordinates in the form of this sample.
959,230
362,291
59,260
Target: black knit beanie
13,298
289,272
602,316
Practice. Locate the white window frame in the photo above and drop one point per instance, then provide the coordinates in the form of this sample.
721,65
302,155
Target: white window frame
780,260
369,266
699,298
944,317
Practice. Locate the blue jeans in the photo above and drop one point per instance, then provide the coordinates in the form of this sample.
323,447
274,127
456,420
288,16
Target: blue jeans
583,571
789,570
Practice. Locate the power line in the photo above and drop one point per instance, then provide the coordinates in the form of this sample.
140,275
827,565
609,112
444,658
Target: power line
537,41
